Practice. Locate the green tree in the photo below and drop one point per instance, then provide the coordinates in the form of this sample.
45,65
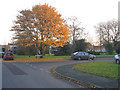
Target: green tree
30,50
81,45
118,47
109,48
63,51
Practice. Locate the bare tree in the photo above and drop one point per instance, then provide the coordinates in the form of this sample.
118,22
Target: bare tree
114,31
108,34
77,32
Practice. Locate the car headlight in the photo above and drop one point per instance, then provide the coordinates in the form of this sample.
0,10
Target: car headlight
117,57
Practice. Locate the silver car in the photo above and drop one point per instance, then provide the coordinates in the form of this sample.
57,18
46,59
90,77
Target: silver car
82,55
117,59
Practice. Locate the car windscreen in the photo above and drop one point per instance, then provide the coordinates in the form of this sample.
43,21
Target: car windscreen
80,54
9,54
75,53
86,53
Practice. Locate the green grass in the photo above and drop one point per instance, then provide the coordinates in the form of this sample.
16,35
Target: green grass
106,69
105,55
46,56
52,56
57,56
49,54
22,56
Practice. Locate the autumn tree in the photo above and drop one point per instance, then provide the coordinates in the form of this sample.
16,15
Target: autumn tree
42,26
23,28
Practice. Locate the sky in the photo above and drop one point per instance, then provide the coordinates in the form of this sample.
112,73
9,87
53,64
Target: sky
89,12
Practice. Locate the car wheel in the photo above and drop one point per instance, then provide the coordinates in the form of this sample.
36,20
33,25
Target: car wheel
79,58
117,62
93,58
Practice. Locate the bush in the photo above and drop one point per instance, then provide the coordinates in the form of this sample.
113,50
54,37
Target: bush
20,50
93,52
26,50
63,51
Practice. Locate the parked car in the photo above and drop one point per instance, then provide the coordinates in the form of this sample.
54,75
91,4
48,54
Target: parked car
8,56
82,55
75,53
117,59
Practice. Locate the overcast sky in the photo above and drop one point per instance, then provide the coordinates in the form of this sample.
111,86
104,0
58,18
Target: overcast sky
89,12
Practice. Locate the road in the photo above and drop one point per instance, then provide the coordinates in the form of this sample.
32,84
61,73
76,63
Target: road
37,75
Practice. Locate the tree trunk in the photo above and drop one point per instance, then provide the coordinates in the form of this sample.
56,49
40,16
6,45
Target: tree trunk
73,43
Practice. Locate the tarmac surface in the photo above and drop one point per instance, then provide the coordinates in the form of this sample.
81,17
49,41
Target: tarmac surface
85,78
33,75
38,75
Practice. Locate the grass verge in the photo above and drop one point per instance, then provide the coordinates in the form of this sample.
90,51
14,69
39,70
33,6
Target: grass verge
52,56
37,60
106,69
46,56
105,55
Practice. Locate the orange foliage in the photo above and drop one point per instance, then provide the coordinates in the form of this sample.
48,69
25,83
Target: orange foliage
45,25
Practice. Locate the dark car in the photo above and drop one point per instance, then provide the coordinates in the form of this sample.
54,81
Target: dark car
8,56
117,59
82,55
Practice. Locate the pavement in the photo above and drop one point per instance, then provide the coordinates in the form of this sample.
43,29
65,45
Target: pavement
89,80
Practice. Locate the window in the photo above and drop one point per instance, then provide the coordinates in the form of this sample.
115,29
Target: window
78,54
86,53
9,54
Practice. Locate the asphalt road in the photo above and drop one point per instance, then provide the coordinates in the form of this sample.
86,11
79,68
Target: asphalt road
37,75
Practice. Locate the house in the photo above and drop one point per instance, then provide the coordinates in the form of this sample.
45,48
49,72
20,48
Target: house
96,48
12,47
3,48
